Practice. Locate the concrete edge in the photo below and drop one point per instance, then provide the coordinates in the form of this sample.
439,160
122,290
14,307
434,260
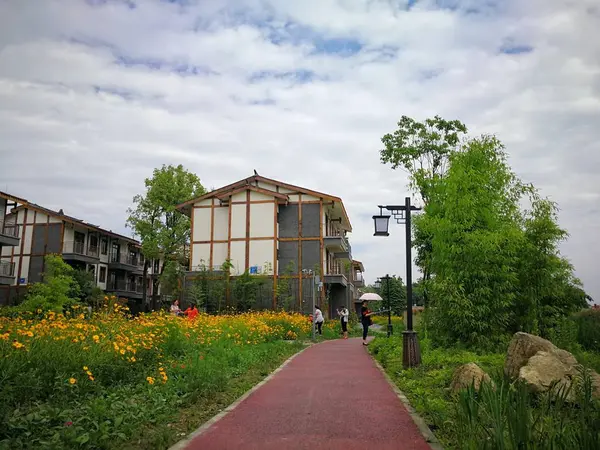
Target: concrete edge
206,425
424,429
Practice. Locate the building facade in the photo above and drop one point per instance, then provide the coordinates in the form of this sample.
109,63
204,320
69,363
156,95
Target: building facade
30,232
270,228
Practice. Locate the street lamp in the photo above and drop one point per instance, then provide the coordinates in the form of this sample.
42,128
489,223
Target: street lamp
387,278
411,355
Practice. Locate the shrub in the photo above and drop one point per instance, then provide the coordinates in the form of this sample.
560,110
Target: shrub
588,335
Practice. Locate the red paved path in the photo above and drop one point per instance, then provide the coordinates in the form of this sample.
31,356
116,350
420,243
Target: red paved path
331,396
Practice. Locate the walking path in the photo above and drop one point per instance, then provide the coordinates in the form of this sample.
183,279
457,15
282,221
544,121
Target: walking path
331,396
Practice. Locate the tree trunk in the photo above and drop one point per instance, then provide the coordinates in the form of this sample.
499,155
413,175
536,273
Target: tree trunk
145,285
155,283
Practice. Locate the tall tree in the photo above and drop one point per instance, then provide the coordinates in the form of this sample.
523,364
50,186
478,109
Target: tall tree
163,231
423,150
473,217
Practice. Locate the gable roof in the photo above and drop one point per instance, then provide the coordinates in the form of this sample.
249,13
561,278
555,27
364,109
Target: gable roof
278,195
25,204
246,183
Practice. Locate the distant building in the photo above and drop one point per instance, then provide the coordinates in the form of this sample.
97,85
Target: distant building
268,227
29,232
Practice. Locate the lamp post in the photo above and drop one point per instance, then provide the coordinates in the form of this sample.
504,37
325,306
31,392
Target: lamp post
387,278
411,356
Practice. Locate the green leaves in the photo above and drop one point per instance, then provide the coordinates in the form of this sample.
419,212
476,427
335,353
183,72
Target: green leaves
422,149
163,230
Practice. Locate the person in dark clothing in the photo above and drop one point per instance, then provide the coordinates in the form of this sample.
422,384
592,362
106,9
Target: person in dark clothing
365,318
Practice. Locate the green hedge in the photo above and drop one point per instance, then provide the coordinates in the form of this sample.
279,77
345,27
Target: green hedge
588,334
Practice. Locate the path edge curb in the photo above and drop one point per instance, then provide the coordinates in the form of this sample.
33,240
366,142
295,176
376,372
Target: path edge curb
424,429
182,444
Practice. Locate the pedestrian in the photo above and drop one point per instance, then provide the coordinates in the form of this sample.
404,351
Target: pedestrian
343,313
175,310
366,320
191,312
319,319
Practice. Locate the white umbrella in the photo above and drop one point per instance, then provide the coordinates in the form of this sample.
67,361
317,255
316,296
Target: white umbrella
370,297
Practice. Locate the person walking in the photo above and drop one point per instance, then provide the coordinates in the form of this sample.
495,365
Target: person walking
344,314
319,319
365,318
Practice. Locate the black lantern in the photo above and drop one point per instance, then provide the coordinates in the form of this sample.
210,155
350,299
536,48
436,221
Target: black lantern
382,224
411,354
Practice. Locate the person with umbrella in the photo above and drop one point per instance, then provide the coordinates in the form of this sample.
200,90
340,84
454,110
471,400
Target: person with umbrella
365,313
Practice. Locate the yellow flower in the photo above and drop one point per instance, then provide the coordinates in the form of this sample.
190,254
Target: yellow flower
85,368
17,344
72,380
150,380
88,373
91,378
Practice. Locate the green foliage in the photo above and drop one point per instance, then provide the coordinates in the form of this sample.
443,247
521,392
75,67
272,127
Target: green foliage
496,269
507,416
245,290
285,289
588,322
58,291
472,216
422,149
393,292
162,229
87,291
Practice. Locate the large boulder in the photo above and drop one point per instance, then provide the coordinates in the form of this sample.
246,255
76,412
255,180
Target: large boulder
540,364
545,369
468,375
522,347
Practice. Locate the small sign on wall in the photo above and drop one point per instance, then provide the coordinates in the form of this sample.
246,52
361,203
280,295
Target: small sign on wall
22,280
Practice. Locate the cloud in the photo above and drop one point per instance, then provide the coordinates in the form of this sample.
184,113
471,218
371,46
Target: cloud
95,94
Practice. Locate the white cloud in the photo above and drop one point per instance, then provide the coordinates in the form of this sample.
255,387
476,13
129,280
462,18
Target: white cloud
90,101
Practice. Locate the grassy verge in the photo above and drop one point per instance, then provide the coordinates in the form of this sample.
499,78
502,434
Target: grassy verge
109,382
490,420
426,387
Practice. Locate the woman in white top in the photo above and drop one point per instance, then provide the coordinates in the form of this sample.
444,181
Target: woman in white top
343,313
175,310
319,319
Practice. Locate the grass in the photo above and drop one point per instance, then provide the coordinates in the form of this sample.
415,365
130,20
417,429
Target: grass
109,382
465,422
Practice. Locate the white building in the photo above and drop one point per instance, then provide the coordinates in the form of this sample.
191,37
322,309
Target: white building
268,227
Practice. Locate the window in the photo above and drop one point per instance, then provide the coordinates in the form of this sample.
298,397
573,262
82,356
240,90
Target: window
102,278
104,246
156,266
93,244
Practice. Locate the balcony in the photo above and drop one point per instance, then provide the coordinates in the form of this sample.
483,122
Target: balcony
125,288
9,233
359,280
77,251
335,276
7,272
339,246
126,262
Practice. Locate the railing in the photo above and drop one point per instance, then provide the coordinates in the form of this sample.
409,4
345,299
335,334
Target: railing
78,248
359,277
9,228
344,240
7,269
125,286
130,260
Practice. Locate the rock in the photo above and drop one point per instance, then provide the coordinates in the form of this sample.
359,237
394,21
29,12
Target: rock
546,368
522,347
466,375
539,364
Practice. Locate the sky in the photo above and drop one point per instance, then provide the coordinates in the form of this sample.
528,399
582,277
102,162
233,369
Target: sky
95,94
